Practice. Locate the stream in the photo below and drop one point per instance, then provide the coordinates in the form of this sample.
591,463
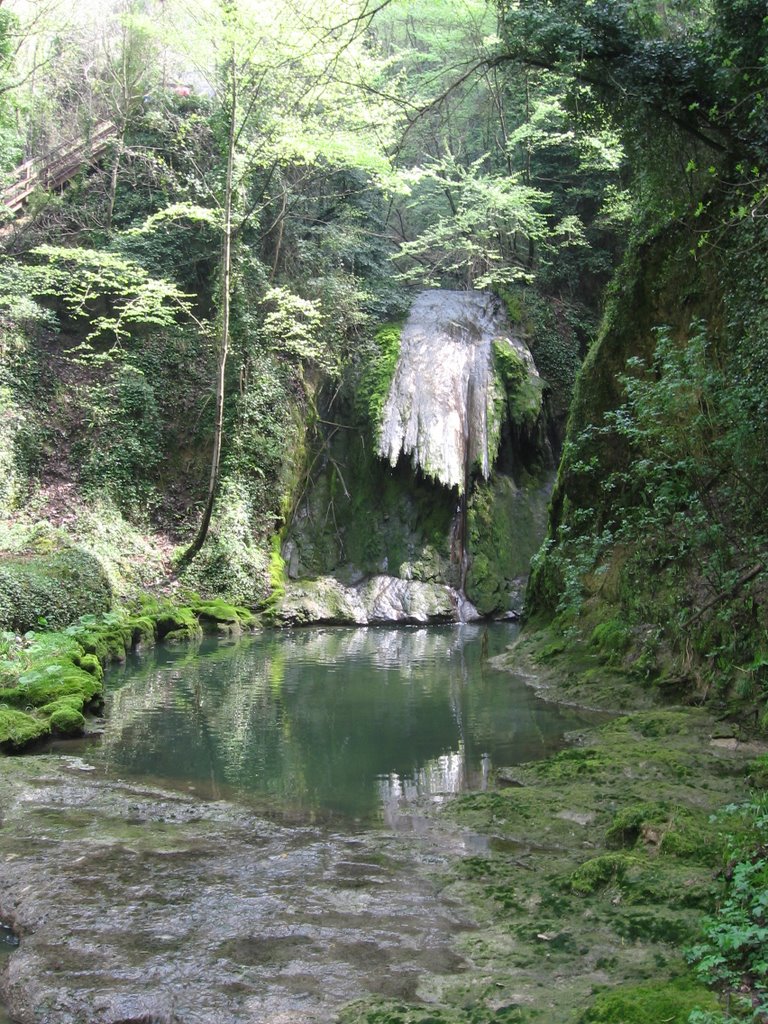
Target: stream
251,839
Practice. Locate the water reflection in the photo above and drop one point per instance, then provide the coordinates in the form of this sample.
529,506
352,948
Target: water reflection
329,721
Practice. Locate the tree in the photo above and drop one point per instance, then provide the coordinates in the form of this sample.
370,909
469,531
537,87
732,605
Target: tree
280,81
485,232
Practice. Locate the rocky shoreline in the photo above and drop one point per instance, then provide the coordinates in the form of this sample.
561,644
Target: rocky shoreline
577,879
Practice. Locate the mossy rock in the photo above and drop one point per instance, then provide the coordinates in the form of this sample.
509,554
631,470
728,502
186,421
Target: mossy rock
374,383
70,700
17,728
143,630
52,589
656,724
757,772
45,685
627,826
107,644
573,763
91,664
219,613
67,720
12,695
649,1004
598,872
175,624
524,389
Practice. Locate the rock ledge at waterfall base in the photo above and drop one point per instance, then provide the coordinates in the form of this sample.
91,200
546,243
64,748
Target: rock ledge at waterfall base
375,601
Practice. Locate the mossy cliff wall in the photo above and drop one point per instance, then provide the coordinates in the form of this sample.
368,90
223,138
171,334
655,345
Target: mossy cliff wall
358,515
656,519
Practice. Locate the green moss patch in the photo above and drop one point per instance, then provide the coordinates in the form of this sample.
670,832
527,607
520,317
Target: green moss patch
50,590
402,1013
67,720
221,616
175,624
757,772
644,1004
54,679
611,638
600,864
523,388
18,729
373,387
598,872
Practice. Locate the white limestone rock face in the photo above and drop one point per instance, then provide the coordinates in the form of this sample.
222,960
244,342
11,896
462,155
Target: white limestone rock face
375,601
440,411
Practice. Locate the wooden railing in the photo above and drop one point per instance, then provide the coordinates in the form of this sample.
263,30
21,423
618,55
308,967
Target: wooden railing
56,167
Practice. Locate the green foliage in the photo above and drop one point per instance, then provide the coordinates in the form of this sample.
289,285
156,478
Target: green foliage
475,240
732,955
673,81
276,571
292,326
611,638
18,729
232,563
25,387
81,278
758,772
667,488
124,441
554,330
263,438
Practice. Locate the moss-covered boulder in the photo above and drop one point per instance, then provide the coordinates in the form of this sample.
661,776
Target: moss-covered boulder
18,729
174,624
66,719
643,1004
50,590
220,617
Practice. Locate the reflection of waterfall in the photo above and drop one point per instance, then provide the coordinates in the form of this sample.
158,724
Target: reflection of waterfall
333,720
445,359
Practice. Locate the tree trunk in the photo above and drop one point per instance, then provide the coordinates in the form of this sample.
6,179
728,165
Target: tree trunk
221,368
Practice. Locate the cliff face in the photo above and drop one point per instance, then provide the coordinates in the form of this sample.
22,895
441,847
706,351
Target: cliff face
444,505
657,526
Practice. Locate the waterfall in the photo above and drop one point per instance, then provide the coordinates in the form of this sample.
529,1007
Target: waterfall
440,407
396,547
446,401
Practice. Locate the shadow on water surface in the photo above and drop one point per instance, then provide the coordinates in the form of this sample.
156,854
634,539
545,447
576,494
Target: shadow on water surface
331,723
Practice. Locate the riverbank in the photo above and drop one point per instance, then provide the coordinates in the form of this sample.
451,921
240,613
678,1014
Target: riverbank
564,895
602,862
51,683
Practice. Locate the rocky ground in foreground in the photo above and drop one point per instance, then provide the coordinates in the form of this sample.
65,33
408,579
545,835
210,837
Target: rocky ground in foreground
136,905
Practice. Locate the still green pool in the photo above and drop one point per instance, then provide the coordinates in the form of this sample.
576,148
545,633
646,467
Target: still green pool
348,724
